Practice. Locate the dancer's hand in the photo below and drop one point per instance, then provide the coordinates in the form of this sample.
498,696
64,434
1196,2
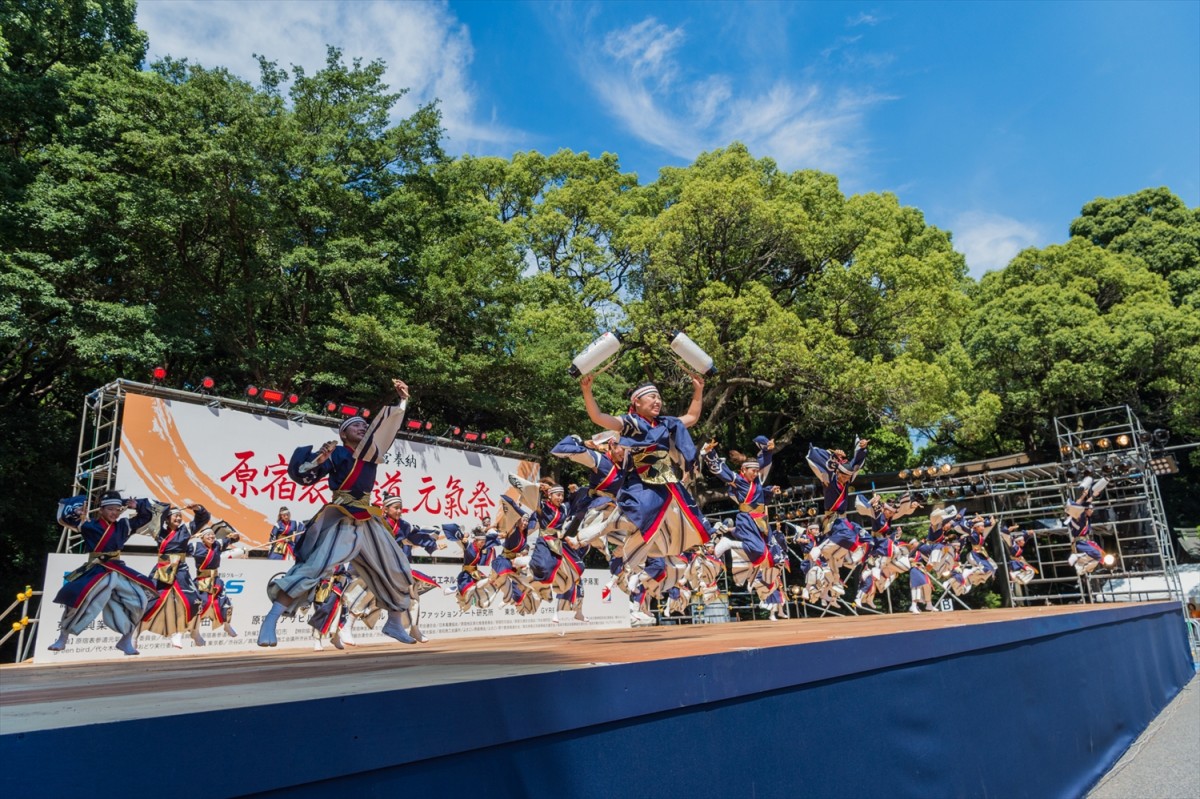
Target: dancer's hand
586,381
401,387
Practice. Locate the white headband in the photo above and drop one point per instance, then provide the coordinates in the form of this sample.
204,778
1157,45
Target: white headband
110,501
392,500
643,391
349,422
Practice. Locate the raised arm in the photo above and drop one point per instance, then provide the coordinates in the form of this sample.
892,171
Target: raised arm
697,405
598,417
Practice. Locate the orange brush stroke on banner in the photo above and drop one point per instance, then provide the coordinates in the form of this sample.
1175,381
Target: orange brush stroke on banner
152,445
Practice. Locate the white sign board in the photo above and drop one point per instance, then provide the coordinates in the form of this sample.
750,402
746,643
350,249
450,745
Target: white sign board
246,585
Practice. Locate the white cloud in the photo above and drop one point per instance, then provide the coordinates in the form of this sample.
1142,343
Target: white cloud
639,74
427,50
989,241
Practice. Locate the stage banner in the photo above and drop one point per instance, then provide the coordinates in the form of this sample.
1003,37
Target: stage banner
246,586
234,463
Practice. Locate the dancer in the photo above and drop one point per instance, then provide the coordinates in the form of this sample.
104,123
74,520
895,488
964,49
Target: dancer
836,474
206,550
1019,570
330,609
409,536
657,511
348,529
557,559
1087,555
173,612
285,536
888,557
104,584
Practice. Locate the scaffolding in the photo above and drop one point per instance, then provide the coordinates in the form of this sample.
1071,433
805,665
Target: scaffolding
1129,522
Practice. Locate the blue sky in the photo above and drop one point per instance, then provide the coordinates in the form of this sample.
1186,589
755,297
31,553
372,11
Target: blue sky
998,120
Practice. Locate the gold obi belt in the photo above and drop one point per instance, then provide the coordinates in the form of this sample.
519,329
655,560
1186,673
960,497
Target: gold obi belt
92,559
206,581
655,468
553,544
167,566
758,513
358,508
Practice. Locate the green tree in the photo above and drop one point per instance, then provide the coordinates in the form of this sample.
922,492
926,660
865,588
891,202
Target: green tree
1157,227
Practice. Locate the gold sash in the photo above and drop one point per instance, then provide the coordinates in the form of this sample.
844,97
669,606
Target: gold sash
654,468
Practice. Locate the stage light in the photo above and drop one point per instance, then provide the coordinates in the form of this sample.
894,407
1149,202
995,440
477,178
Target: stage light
1086,446
413,424
530,444
207,383
472,437
1161,437
348,410
1104,443
252,392
293,399
506,441
903,474
1164,465
364,412
945,469
1109,560
931,471
271,396
158,373
1123,440
331,407
1065,449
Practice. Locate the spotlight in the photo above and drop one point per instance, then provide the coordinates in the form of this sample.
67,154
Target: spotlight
931,471
945,468
252,392
207,383
350,410
506,441
1109,560
1123,440
158,373
530,444
472,437
903,474
331,407
1161,437
413,425
1163,465
271,396
1104,443
1086,446
1065,449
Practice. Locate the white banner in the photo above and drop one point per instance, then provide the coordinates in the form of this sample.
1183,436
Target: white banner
246,585
235,464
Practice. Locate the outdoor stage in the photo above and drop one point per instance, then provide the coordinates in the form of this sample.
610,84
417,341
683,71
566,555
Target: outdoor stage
1032,702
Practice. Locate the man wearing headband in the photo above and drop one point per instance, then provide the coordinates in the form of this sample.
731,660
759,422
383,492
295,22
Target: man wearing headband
594,517
206,549
285,537
659,514
105,584
1086,554
556,562
836,474
752,565
174,611
408,535
349,529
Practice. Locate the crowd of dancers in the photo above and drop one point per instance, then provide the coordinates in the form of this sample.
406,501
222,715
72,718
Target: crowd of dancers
351,563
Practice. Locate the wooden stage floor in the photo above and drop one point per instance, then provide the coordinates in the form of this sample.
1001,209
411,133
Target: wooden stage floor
52,696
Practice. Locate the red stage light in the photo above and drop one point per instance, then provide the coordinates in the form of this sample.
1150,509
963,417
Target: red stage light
507,440
348,410
413,424
159,373
331,407
293,399
272,396
365,412
428,426
470,437
251,391
207,383
456,431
